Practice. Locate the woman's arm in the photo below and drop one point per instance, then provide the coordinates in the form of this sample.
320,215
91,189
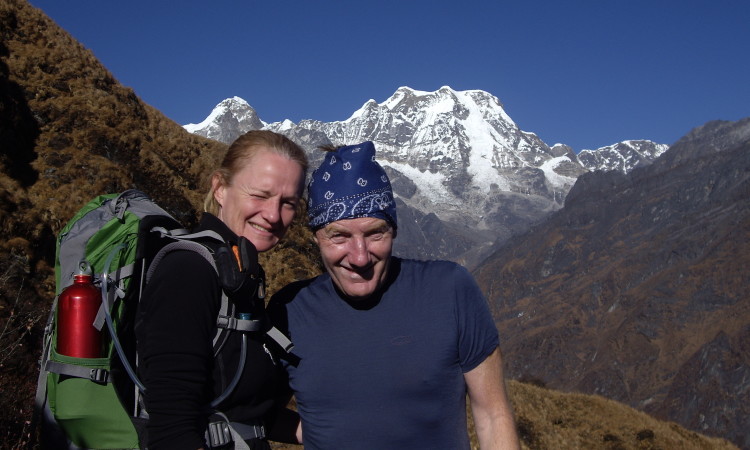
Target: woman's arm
175,332
287,427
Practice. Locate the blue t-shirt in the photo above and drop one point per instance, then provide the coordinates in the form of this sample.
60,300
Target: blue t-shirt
387,376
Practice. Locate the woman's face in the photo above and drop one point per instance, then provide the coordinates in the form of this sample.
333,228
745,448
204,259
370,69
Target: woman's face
260,201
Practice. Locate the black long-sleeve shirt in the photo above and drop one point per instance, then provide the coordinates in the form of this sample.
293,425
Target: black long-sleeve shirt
175,329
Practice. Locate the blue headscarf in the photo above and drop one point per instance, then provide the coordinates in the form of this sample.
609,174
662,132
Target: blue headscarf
349,184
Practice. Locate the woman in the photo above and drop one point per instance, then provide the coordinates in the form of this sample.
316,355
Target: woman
254,195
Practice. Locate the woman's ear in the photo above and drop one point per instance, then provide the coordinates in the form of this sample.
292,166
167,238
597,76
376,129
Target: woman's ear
218,186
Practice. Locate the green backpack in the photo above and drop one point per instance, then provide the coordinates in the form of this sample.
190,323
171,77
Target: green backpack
96,402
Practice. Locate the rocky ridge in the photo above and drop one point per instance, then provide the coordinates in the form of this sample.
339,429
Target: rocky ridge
456,158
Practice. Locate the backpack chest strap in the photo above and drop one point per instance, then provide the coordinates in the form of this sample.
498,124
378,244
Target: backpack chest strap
236,324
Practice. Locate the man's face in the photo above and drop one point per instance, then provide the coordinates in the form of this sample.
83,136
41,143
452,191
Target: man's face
356,253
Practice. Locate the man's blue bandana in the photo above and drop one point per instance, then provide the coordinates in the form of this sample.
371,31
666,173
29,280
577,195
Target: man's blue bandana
348,184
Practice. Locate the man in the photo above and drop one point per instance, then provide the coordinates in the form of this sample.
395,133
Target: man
386,349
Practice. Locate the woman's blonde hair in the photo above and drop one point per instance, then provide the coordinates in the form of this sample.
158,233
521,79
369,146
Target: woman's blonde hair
241,153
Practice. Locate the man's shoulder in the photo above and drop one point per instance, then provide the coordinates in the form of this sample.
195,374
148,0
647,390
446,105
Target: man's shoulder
293,289
430,267
438,276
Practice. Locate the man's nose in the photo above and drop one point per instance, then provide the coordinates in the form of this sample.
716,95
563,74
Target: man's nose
358,253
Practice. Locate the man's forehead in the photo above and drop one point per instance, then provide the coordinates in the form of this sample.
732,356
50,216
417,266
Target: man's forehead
363,224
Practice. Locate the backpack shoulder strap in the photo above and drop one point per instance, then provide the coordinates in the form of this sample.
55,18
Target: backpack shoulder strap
225,320
180,244
184,242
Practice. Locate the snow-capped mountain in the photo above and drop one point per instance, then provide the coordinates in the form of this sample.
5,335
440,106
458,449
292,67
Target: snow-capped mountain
458,145
229,119
623,156
454,157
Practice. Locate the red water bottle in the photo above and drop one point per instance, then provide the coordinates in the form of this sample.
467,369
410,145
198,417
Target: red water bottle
77,307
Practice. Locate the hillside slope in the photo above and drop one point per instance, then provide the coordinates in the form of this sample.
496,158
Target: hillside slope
637,289
68,132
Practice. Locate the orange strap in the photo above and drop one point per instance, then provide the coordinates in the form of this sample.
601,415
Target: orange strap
236,251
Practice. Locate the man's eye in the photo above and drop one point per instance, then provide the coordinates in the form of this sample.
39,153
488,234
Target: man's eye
338,238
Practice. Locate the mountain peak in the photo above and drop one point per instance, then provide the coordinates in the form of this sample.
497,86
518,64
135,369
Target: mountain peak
235,101
368,106
229,119
623,156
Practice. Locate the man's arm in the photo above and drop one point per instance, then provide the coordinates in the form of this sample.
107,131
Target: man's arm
493,416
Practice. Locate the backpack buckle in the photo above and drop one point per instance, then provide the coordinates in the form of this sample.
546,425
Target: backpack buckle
99,375
218,434
222,431
239,324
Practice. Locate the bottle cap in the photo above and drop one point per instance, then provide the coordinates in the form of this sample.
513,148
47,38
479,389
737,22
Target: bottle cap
84,268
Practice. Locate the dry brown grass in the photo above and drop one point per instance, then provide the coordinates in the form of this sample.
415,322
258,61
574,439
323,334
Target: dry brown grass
548,419
21,317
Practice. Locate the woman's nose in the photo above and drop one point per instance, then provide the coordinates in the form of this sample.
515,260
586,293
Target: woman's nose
272,210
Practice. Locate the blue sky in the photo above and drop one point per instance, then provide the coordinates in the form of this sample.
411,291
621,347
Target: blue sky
583,73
